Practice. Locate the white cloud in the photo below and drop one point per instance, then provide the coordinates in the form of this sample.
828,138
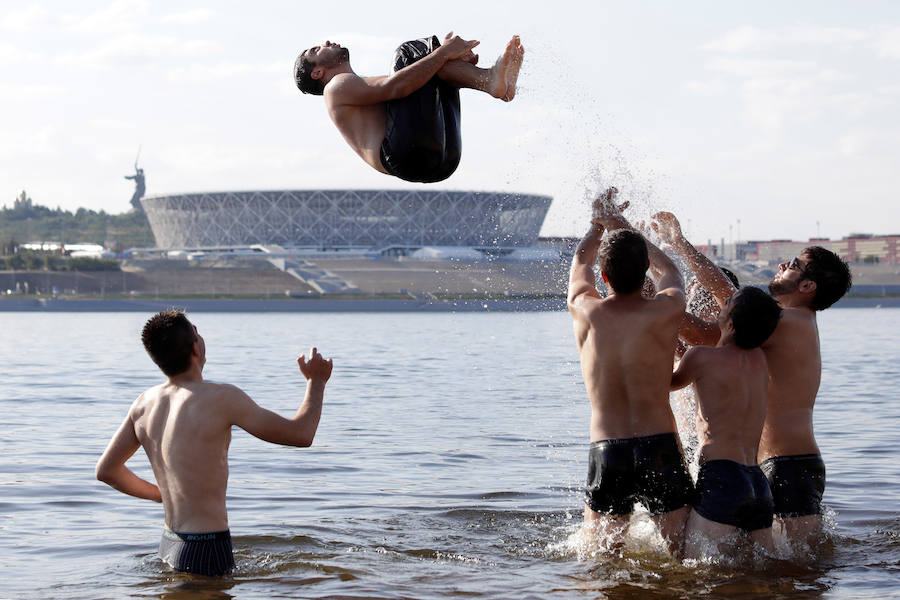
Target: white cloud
705,88
189,17
11,55
748,38
118,16
750,67
134,49
31,18
40,143
30,93
202,74
886,43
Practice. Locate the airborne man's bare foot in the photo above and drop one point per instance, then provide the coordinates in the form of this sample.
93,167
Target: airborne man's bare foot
512,72
505,72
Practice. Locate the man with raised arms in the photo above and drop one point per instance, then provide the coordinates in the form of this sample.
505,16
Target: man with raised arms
788,452
407,124
626,343
730,382
184,426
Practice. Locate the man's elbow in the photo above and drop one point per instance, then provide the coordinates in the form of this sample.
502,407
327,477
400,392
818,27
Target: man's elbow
104,473
303,442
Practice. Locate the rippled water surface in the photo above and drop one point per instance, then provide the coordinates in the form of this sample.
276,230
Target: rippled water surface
448,463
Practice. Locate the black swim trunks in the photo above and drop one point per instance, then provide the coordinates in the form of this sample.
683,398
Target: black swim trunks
422,140
734,494
647,469
798,483
200,553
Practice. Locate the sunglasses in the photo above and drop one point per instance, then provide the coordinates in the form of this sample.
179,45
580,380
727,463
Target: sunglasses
796,264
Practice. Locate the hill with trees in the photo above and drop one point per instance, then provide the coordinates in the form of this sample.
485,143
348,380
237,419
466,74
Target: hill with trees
30,222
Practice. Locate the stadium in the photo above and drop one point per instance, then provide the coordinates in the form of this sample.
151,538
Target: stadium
381,220
421,243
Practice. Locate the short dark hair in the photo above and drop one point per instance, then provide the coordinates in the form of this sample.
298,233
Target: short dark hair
169,339
830,274
754,316
303,68
730,275
623,257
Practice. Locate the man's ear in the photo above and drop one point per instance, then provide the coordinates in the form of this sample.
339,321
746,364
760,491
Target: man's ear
807,286
317,73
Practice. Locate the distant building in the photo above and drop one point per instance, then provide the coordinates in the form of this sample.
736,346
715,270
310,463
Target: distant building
853,248
75,250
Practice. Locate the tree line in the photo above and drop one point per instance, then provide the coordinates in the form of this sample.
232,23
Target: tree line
26,222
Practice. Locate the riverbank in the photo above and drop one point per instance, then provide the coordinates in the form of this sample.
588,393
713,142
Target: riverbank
280,305
151,305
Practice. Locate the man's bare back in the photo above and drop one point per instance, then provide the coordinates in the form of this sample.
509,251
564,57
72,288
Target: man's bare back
186,431
626,356
730,380
357,105
730,386
626,343
625,340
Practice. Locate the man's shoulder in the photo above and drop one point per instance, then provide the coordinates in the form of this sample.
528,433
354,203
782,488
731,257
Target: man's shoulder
346,89
215,388
670,299
794,322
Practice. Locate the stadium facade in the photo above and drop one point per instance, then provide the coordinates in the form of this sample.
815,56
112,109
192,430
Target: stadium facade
334,219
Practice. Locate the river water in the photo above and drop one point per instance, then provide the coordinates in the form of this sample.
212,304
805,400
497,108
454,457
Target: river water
448,463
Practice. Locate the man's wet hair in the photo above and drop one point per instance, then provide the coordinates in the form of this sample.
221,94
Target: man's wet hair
169,339
623,257
303,68
830,273
754,316
730,275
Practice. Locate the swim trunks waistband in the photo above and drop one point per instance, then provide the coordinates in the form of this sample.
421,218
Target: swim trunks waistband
632,440
797,482
202,553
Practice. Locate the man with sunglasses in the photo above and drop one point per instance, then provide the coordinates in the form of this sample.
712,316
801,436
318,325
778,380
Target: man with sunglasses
788,453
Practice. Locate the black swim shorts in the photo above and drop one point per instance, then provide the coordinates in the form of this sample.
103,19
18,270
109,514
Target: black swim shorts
734,494
797,482
199,553
422,140
647,469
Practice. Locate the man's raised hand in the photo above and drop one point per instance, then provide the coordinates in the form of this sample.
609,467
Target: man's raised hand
456,47
605,211
317,368
668,227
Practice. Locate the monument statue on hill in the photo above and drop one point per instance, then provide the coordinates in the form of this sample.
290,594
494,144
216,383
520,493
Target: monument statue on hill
139,185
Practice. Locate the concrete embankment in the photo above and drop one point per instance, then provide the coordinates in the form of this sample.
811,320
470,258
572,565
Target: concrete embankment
285,305
151,305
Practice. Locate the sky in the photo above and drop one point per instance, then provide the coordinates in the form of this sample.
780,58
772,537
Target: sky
748,120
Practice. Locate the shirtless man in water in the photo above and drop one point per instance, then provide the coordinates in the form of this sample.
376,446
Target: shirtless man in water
407,124
788,453
626,343
184,426
730,381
